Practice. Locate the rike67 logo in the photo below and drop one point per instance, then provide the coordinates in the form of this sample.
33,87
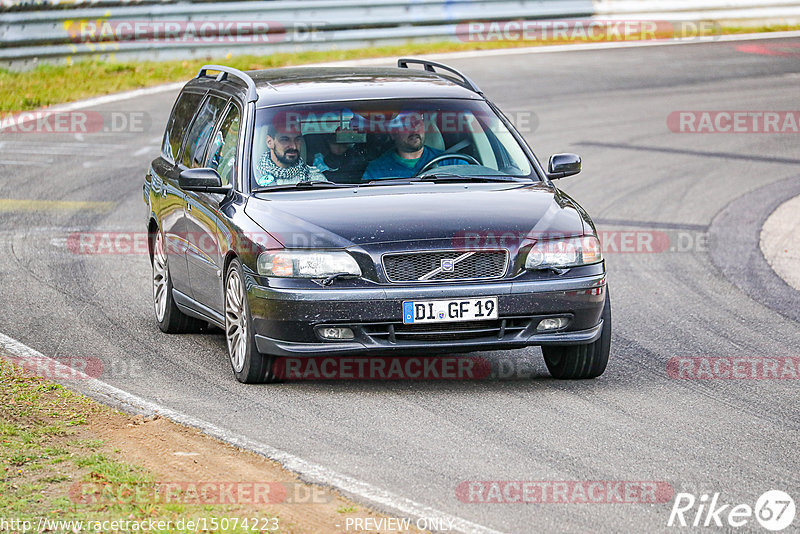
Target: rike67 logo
774,510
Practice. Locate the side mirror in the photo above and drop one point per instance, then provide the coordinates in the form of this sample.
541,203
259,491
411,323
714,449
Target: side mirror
562,165
202,180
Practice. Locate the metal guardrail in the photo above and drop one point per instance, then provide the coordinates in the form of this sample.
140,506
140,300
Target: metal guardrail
170,30
30,5
53,26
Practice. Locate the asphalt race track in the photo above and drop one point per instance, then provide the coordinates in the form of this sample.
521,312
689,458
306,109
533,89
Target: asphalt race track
706,293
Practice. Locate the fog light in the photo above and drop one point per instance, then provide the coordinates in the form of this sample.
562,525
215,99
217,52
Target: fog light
552,323
335,332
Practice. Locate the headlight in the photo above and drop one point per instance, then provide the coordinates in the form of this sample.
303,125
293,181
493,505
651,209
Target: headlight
562,253
306,263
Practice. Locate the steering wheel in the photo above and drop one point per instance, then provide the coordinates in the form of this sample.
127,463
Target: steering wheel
442,157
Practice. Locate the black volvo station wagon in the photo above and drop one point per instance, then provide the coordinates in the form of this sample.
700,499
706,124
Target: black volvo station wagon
381,211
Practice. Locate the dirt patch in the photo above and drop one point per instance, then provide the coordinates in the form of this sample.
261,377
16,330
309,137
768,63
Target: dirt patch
181,457
66,457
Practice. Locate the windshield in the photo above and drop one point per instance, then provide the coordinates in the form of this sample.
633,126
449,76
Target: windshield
370,141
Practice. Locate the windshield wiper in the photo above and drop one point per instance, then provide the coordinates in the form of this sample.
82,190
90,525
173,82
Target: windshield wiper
388,181
450,177
439,176
322,184
432,177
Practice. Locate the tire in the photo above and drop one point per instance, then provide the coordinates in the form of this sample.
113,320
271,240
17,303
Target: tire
170,319
581,361
249,366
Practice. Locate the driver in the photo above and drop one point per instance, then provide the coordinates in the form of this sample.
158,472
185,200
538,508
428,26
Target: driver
409,154
281,163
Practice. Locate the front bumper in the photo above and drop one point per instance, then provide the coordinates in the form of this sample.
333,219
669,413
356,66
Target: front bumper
286,320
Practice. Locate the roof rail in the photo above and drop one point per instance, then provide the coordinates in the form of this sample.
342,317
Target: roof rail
462,80
252,93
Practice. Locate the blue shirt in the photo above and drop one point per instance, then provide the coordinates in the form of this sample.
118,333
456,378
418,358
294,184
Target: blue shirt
391,165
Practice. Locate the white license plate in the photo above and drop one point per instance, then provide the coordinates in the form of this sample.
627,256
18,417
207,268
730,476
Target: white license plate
448,311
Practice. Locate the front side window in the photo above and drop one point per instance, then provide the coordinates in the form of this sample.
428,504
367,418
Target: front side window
194,149
178,122
366,141
222,152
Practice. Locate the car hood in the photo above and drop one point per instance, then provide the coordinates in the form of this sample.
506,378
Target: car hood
340,218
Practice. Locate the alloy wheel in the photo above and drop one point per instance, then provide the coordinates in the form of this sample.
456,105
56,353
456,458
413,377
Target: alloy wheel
235,320
160,278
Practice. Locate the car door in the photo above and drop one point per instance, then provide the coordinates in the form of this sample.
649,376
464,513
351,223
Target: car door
170,200
203,252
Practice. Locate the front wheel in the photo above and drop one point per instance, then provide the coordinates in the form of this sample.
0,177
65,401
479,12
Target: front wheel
249,365
581,361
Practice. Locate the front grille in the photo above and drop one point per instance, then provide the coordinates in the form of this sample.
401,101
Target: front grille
497,329
427,266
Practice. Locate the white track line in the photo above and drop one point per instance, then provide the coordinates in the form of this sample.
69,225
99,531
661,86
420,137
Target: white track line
543,49
308,471
117,97
547,49
23,117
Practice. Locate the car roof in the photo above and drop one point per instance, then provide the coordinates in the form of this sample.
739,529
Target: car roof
294,85
321,84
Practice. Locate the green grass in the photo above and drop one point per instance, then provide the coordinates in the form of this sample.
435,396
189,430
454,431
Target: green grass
76,421
51,84
46,84
53,430
92,444
346,509
7,429
54,452
46,472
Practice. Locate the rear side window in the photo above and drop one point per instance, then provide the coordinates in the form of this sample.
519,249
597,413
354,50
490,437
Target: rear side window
176,126
194,149
222,153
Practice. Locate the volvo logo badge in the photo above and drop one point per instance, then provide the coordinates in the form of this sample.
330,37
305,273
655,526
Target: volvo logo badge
448,265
